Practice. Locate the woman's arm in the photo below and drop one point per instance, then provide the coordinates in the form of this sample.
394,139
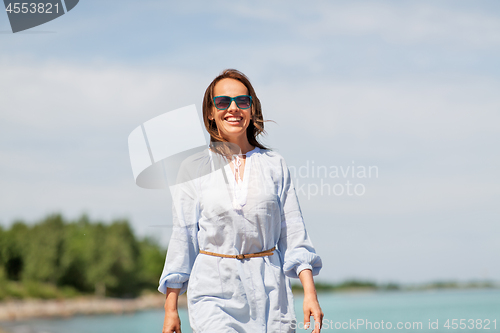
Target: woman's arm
172,322
311,304
298,254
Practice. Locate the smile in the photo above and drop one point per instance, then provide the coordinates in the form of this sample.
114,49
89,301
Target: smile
233,119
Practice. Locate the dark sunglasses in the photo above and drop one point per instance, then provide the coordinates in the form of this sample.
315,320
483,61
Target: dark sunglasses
223,102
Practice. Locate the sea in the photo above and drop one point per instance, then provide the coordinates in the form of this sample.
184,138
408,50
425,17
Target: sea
472,310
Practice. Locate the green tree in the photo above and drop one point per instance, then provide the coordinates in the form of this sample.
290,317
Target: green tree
2,255
151,260
77,254
114,256
14,250
44,250
88,256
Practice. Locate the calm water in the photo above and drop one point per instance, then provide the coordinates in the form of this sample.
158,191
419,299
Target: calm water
352,311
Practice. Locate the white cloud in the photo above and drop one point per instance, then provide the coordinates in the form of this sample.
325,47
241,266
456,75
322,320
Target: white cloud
423,109
57,95
402,23
405,23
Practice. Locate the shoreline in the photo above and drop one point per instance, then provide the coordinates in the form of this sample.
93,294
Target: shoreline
25,309
17,310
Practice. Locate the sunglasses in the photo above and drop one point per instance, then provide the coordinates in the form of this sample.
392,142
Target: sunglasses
223,102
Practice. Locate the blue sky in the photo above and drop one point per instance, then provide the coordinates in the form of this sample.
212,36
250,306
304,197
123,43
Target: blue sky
409,87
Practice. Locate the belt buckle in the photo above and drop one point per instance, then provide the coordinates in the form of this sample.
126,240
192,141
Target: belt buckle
240,256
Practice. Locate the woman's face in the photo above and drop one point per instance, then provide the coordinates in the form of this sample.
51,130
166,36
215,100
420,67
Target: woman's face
232,122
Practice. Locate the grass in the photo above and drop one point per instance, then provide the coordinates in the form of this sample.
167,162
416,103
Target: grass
23,290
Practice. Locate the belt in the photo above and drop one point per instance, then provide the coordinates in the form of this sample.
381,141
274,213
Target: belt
241,256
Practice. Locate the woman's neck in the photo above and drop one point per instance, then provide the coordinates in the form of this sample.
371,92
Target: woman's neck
243,143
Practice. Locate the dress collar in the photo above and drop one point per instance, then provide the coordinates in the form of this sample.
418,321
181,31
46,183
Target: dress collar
255,150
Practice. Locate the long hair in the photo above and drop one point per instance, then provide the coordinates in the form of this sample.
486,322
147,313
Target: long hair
256,125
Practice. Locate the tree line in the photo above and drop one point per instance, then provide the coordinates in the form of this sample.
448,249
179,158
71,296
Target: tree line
78,257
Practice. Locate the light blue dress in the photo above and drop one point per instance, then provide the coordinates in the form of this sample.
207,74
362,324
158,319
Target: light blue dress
213,212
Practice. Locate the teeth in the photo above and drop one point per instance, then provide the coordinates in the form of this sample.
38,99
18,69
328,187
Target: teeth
233,119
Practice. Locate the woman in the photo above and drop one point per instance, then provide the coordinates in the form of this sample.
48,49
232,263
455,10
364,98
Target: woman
238,229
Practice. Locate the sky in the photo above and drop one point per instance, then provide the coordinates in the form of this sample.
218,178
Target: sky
406,89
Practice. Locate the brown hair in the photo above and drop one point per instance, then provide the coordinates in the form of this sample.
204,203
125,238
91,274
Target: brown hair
256,125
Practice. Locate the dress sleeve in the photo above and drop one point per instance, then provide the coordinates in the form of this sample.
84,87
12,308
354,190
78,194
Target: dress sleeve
294,244
183,246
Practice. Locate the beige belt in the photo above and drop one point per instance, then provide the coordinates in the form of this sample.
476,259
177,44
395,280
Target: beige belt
241,256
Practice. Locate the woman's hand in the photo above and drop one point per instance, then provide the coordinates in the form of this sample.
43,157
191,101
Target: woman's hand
311,305
311,308
172,322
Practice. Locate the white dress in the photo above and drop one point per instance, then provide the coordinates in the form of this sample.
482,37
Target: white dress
213,213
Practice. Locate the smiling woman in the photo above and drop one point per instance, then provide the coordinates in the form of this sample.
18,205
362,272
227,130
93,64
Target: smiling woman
232,83
237,240
231,120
